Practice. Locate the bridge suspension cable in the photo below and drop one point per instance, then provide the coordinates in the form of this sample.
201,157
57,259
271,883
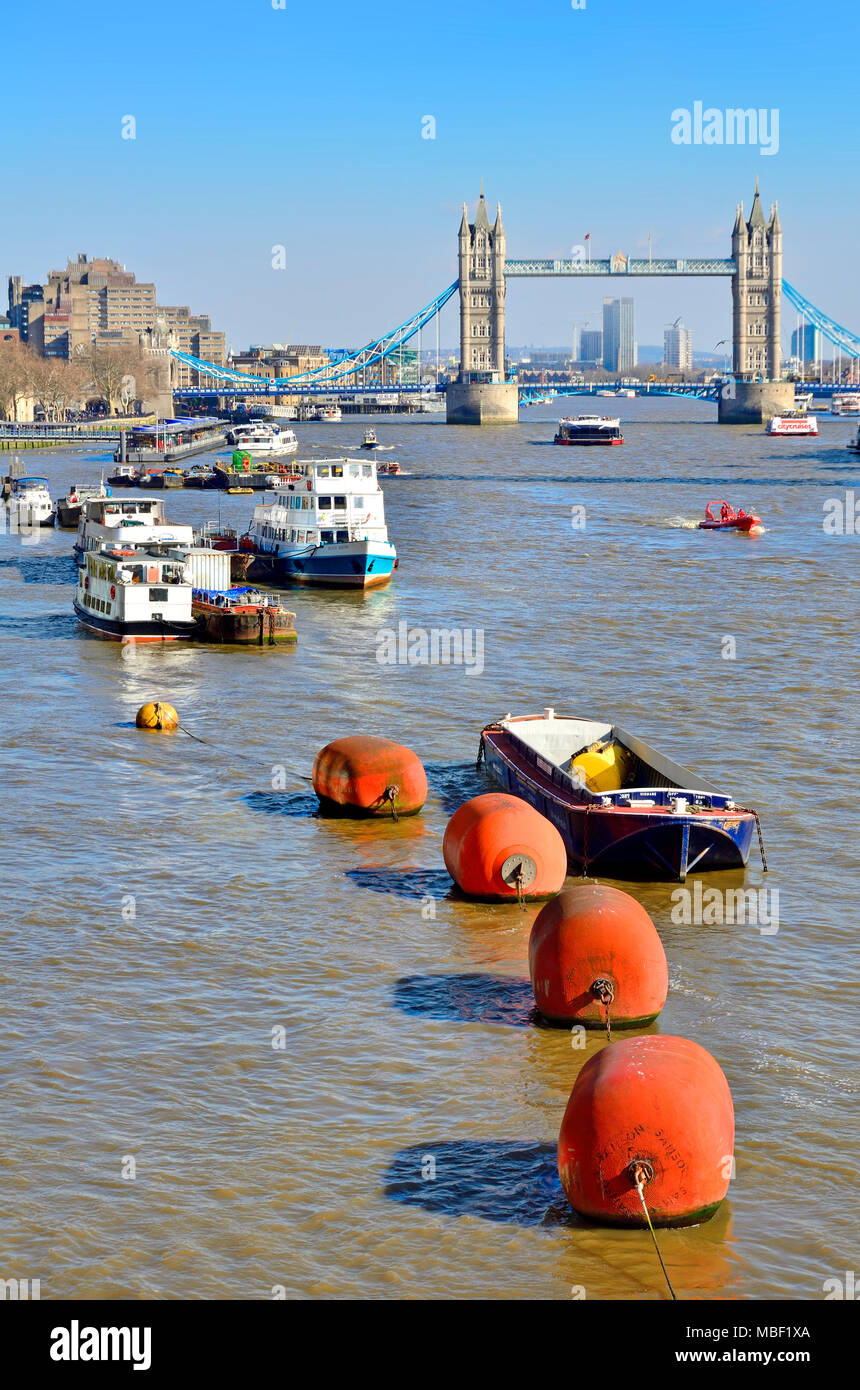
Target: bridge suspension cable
345,364
847,342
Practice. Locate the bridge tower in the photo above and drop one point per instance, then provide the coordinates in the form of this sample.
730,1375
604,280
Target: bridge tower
757,391
480,396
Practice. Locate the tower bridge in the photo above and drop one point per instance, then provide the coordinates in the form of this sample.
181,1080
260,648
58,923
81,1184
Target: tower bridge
482,394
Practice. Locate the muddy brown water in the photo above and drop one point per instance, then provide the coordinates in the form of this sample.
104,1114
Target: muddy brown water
288,1023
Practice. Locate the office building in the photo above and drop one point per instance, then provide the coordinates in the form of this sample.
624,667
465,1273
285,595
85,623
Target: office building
619,335
678,349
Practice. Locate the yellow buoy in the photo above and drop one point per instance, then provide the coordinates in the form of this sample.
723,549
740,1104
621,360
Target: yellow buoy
157,715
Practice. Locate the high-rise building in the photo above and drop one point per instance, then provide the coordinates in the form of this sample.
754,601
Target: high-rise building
26,304
806,343
590,345
619,335
678,348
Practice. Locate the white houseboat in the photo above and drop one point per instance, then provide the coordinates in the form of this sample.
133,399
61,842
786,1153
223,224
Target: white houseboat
134,593
127,522
264,441
327,527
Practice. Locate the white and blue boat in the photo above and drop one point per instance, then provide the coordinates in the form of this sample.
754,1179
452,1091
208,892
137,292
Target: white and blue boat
325,526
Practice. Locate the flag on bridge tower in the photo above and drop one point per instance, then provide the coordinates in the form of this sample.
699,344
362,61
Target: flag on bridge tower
588,238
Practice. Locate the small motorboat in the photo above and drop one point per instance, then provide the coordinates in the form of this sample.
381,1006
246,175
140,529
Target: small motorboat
389,470
70,508
728,519
370,441
126,475
622,809
29,503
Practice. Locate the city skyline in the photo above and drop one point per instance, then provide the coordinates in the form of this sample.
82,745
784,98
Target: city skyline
365,204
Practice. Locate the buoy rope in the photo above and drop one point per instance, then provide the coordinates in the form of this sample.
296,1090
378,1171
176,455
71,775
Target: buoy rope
242,758
639,1173
604,990
585,844
518,880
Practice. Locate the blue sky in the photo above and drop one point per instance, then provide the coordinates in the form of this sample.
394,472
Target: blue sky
258,127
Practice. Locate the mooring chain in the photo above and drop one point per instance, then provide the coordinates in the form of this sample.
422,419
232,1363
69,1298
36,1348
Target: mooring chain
604,991
390,794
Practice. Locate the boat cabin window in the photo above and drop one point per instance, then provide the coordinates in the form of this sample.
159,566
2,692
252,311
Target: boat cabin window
158,595
324,504
339,504
358,503
326,537
337,470
322,471
343,535
367,470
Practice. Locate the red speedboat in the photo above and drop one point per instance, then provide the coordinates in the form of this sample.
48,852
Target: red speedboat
728,519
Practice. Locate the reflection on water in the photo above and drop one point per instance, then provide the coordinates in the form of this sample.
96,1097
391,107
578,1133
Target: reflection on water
281,1015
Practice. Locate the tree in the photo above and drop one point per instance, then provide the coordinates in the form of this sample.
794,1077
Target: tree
56,384
14,378
115,370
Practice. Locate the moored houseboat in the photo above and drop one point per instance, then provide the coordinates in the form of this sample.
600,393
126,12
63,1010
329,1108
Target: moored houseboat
326,527
142,594
125,522
243,471
623,809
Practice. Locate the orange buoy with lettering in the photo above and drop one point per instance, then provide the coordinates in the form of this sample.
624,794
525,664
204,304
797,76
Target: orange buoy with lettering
157,715
368,776
593,949
651,1110
498,847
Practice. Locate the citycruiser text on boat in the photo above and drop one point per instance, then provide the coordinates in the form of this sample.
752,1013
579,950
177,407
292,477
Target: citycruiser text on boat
622,809
327,527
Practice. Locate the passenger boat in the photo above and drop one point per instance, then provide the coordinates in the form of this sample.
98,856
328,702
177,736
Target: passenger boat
795,422
264,441
70,508
123,523
327,527
728,519
622,809
329,413
848,403
29,503
142,594
242,616
589,429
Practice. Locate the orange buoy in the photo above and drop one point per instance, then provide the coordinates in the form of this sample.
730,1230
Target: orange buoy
157,715
498,847
363,775
592,948
662,1103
